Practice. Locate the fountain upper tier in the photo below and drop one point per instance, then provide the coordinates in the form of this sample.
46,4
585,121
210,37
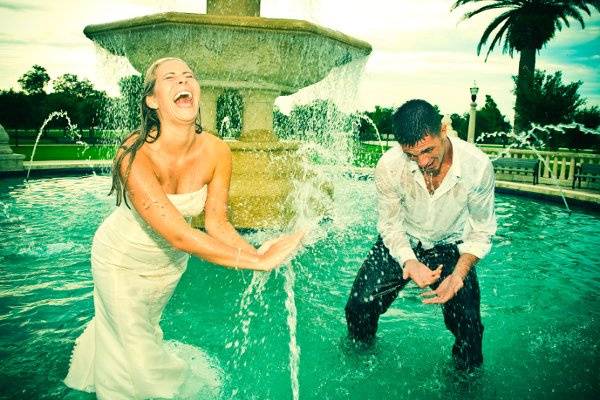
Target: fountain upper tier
259,57
241,52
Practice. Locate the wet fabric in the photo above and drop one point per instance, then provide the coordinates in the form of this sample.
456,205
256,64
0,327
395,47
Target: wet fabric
379,281
121,353
461,208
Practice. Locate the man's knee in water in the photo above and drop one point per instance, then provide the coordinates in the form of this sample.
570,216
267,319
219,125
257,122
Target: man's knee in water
361,317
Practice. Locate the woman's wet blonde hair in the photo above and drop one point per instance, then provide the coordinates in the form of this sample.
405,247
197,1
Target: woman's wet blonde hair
148,132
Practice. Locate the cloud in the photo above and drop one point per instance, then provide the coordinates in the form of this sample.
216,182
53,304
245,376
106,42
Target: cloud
18,6
28,43
420,48
588,74
12,41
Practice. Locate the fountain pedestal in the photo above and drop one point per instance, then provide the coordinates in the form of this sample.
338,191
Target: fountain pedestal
208,108
263,167
249,8
258,115
261,181
9,161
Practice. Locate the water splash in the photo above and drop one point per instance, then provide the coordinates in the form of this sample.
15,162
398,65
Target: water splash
312,200
292,321
225,126
326,137
53,115
254,291
368,120
529,139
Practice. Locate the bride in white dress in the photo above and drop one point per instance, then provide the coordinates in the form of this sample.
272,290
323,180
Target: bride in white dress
163,174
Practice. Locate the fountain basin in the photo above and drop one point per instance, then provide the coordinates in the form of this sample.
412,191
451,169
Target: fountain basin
262,58
540,317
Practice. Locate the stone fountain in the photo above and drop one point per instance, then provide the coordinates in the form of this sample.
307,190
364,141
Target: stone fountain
232,47
9,161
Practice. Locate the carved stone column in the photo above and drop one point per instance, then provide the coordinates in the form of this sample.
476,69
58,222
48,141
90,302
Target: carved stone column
208,107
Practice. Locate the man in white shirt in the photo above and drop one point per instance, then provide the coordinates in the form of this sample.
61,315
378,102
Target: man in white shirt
436,218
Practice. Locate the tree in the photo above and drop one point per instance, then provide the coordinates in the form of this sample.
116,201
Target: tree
588,117
490,119
91,110
84,104
280,123
460,124
320,121
70,84
550,101
19,111
526,26
381,117
33,81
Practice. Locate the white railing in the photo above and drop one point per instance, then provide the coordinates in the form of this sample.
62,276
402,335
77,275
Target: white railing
556,167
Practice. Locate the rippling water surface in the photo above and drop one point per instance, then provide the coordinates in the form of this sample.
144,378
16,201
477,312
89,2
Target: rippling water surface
540,306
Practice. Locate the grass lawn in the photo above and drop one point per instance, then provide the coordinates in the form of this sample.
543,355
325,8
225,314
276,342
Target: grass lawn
48,152
366,155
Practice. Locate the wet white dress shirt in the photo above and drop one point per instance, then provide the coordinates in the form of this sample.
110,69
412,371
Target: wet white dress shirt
460,209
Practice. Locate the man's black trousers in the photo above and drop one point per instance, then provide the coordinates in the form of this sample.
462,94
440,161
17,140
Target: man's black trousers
380,280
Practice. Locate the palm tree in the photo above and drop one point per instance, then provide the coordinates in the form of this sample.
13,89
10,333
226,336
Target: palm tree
526,26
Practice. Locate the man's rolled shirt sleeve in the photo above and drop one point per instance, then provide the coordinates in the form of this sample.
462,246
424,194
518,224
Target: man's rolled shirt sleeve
482,217
391,217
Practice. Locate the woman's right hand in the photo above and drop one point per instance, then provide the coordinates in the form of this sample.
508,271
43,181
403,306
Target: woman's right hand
280,251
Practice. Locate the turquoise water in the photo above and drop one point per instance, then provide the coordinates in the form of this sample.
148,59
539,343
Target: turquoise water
540,306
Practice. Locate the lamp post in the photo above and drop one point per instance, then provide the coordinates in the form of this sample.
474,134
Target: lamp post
472,113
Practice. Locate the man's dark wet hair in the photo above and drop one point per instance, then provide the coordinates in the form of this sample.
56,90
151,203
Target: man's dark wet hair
414,120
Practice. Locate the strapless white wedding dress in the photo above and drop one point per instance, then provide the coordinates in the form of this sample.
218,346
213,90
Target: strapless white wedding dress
121,353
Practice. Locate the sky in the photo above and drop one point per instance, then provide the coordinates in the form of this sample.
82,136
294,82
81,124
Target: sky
420,48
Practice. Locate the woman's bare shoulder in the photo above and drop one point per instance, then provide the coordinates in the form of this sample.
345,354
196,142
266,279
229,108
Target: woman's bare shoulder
124,151
128,142
215,144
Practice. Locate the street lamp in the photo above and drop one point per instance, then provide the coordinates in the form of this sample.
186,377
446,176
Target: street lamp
472,113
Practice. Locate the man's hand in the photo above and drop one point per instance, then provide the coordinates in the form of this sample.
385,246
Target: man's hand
419,273
445,291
